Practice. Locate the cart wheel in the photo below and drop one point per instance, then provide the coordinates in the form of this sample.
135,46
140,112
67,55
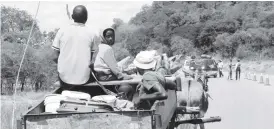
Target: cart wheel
188,92
193,95
172,122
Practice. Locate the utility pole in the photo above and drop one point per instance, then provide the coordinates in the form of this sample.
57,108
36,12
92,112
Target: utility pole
69,16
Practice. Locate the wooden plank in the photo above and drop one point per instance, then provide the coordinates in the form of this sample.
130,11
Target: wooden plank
107,120
118,82
135,80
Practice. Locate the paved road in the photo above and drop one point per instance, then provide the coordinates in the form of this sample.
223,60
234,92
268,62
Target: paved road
243,104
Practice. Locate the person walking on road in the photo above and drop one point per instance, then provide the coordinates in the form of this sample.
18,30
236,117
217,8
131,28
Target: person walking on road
73,50
220,68
230,70
238,70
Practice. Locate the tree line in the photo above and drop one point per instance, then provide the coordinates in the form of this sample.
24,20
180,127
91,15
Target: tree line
226,29
38,70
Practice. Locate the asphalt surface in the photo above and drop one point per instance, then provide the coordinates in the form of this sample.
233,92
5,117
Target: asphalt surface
243,104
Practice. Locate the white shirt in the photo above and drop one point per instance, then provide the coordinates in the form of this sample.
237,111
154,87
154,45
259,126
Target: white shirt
220,64
105,61
238,64
105,51
75,43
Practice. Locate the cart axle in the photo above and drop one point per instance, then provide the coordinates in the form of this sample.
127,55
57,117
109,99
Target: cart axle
199,120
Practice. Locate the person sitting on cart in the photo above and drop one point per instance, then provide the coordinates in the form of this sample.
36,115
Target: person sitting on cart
153,86
73,50
105,64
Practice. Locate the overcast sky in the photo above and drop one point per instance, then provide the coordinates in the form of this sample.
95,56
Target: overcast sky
53,14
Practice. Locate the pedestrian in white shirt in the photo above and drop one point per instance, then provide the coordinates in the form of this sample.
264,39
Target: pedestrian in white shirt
230,70
220,67
238,70
74,49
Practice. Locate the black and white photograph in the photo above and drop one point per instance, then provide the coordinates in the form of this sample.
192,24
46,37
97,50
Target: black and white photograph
137,65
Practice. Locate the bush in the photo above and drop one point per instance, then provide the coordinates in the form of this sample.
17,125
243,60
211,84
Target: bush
242,52
268,22
138,41
222,45
180,45
259,38
229,26
120,51
37,66
268,52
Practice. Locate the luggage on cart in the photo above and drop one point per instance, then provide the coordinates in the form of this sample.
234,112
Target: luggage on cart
76,95
74,105
52,102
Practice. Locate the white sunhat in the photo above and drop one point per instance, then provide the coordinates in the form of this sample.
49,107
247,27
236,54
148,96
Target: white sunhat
145,60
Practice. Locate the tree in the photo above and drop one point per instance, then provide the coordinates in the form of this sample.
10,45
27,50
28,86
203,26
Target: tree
116,23
229,26
211,27
51,34
268,22
259,40
176,20
120,51
15,28
180,45
207,37
271,36
190,32
140,17
137,41
18,21
222,45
